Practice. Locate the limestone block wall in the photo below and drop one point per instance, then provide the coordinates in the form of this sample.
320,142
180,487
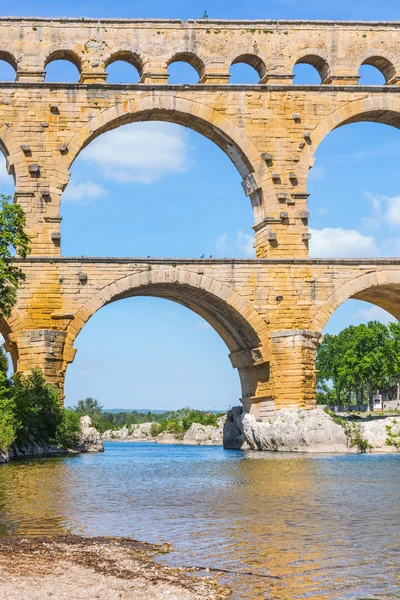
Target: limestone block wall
270,311
270,130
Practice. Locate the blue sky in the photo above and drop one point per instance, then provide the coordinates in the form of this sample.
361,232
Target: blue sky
161,190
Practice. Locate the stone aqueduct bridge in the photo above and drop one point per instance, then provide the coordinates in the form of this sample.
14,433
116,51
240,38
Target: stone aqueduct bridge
270,311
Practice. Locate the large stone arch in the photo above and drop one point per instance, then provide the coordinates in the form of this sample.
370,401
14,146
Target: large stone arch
234,319
383,109
172,108
381,288
231,316
378,109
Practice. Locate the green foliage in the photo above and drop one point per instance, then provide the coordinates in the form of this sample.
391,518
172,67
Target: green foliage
30,408
393,439
175,421
155,429
358,361
357,439
3,361
92,408
38,408
8,421
68,431
13,240
352,429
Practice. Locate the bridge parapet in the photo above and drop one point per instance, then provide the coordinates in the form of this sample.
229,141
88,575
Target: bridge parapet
335,48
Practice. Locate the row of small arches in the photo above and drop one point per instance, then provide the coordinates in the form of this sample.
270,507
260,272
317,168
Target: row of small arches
126,67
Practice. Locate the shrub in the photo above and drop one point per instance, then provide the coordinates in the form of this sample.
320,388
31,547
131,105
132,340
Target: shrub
155,429
38,408
8,421
357,439
68,431
393,439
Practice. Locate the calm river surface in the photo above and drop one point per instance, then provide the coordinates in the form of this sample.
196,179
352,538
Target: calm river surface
328,526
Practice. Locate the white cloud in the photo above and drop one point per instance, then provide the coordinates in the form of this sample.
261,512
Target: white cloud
316,173
222,244
4,176
392,213
335,242
142,152
372,313
3,170
203,326
244,243
386,211
88,190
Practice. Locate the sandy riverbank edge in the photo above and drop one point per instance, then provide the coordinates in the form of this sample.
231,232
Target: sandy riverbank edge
80,568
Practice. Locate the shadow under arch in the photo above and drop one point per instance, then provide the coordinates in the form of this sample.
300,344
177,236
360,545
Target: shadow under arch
127,56
64,54
252,60
9,58
194,115
9,345
191,59
232,317
380,288
381,60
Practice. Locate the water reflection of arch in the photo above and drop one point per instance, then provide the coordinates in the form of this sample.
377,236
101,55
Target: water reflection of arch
381,288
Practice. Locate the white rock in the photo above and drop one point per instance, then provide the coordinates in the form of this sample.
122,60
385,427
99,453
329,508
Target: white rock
89,439
303,431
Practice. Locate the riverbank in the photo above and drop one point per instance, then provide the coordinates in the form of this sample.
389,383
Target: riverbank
75,567
89,441
196,435
317,430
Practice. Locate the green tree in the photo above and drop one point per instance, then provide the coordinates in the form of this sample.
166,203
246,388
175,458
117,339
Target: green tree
38,409
359,360
90,407
8,421
13,240
68,430
3,361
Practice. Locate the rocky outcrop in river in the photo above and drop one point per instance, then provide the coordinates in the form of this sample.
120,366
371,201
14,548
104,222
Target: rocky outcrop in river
89,441
310,431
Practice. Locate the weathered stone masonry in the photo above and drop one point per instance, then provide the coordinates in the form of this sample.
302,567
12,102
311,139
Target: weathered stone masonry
269,311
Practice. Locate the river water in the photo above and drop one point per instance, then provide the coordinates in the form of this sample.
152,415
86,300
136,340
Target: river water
327,526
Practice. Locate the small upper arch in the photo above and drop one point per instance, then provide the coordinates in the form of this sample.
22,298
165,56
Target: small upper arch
381,60
126,56
64,54
9,58
190,58
253,60
316,58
